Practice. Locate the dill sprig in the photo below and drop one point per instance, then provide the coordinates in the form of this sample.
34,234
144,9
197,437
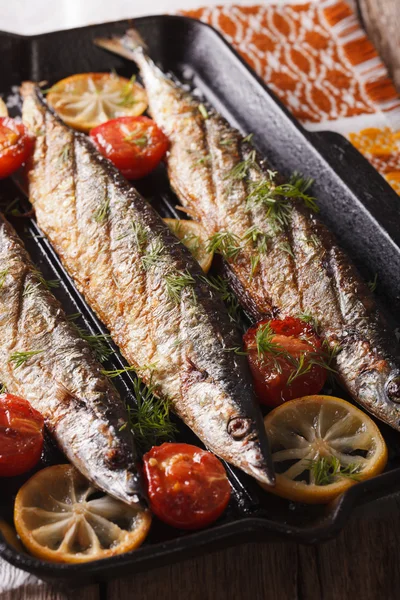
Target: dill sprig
20,358
3,389
150,420
74,316
3,275
242,169
203,111
154,254
101,213
310,320
176,283
286,247
277,199
249,138
11,209
117,372
140,232
64,154
225,243
325,470
97,342
373,284
221,287
128,93
50,284
264,342
254,262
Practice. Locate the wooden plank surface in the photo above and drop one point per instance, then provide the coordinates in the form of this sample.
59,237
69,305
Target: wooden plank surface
361,563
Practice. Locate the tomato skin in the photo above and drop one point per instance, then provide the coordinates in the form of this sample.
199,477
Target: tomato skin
134,144
16,145
187,487
21,435
271,373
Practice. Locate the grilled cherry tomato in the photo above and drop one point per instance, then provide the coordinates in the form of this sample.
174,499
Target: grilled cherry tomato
134,144
188,487
21,435
16,145
286,360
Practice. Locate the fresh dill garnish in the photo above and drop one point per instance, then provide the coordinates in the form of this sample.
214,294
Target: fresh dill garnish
141,141
150,419
236,350
50,284
128,93
20,358
117,372
177,342
3,389
30,288
203,160
258,237
254,262
98,343
243,168
154,254
286,247
140,232
325,470
221,287
203,111
64,154
264,341
11,209
249,138
225,243
226,142
312,239
277,199
3,275
74,316
101,213
176,283
303,366
310,320
373,284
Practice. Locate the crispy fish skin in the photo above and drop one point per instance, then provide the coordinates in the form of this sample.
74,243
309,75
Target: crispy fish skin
302,269
146,288
62,380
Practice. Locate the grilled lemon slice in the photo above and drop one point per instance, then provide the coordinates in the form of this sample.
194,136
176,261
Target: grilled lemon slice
86,100
321,446
193,236
60,517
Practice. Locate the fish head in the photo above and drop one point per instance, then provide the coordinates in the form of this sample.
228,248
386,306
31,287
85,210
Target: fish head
238,436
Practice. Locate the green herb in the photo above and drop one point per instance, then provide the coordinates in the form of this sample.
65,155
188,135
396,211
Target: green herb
286,247
373,284
3,275
141,141
203,111
73,316
177,282
154,254
243,168
117,372
3,389
128,93
20,358
102,211
258,237
50,284
303,366
221,287
310,320
254,262
203,160
312,239
225,243
150,420
227,142
10,210
325,470
277,199
29,289
64,155
236,350
249,138
98,343
140,232
264,342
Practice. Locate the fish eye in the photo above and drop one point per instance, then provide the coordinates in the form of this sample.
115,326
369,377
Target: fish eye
392,388
239,427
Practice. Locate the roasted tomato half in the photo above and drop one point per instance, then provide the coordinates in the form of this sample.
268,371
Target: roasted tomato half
134,144
188,487
16,145
21,435
286,360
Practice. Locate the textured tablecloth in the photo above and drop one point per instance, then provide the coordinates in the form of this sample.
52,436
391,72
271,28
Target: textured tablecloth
313,55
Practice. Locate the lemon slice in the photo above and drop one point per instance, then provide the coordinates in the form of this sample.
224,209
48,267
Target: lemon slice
321,446
3,109
193,236
86,100
60,517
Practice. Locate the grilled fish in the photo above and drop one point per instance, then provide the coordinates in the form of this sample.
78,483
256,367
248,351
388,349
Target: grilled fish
44,360
147,289
280,259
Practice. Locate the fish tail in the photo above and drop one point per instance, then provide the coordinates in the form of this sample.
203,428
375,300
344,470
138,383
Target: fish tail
130,45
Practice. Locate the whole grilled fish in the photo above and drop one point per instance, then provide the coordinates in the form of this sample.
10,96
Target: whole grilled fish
146,288
281,259
44,360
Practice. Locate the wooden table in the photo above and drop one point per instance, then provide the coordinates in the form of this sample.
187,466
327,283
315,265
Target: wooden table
363,562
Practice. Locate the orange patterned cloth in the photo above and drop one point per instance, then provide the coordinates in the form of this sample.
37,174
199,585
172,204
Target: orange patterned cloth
319,62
